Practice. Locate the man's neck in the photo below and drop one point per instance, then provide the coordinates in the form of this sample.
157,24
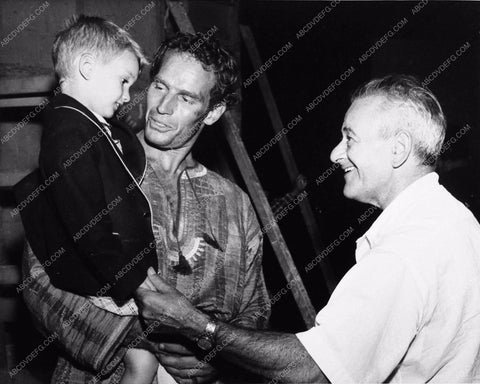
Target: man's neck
402,182
169,163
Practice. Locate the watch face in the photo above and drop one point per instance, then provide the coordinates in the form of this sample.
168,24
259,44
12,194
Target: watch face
204,343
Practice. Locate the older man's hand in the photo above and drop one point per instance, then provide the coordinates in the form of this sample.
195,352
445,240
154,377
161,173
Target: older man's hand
180,362
170,308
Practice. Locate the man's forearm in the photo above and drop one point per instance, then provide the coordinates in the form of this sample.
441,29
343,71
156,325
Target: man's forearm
271,355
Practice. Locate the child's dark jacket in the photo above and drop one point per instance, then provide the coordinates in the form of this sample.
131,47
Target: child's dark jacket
92,214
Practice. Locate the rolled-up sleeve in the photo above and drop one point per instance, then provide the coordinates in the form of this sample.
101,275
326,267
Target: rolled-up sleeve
255,304
90,336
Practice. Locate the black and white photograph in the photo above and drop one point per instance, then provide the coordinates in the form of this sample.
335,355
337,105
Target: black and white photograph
239,191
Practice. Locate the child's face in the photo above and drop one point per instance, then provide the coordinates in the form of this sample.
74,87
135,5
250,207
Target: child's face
110,82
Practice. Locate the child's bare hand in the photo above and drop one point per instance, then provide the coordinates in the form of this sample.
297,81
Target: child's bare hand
147,284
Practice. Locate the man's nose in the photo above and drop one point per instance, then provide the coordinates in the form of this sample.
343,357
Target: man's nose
166,105
338,152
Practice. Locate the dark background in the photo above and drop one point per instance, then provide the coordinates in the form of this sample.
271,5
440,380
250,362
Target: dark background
316,60
310,66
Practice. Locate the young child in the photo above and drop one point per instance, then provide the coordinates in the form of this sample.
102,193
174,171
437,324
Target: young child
94,208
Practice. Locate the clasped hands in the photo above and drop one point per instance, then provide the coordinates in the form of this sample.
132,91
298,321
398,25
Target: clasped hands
166,310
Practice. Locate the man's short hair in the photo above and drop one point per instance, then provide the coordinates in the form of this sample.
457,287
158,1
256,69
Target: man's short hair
95,35
213,57
420,113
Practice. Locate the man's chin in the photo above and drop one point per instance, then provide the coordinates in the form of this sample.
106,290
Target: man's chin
359,195
152,139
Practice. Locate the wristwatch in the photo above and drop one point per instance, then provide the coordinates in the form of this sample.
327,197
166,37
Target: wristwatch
206,340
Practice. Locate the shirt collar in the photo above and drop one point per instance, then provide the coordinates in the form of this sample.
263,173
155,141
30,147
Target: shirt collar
394,212
106,126
197,170
100,118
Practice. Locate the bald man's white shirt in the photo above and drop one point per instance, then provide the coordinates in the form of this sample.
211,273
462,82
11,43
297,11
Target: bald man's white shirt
409,310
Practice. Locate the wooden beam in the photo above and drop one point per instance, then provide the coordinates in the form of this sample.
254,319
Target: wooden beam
10,309
288,158
257,194
9,275
14,83
180,15
267,93
30,101
267,219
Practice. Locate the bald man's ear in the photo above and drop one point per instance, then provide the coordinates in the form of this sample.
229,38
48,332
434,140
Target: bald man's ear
86,63
215,114
402,148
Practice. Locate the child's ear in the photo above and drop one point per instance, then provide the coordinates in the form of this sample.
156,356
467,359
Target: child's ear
214,114
85,65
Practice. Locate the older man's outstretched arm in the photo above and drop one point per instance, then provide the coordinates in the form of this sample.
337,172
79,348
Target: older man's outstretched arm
272,355
269,354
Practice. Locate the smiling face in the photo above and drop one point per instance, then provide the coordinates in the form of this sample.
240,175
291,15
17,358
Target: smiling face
109,83
177,102
364,155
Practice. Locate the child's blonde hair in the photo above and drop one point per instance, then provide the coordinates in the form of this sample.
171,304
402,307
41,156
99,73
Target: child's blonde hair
95,35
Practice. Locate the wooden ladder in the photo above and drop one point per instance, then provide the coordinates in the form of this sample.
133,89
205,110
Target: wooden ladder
267,218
